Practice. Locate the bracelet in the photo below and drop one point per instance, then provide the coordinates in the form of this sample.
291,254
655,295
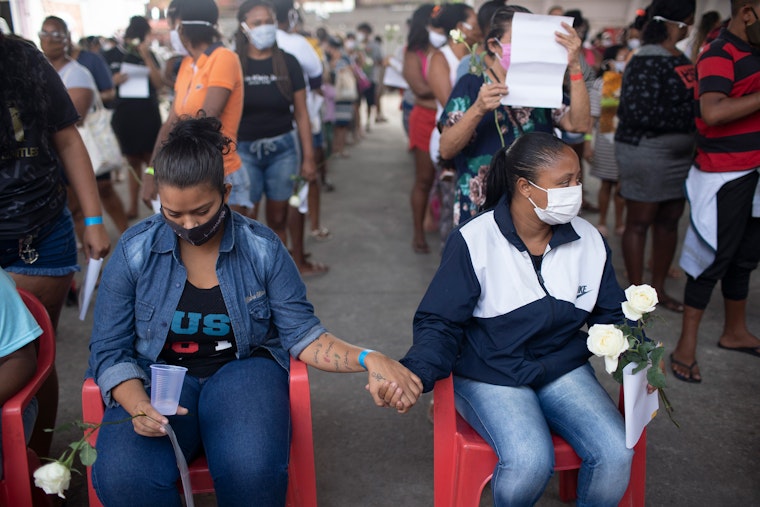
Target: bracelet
588,137
98,220
362,355
149,170
576,77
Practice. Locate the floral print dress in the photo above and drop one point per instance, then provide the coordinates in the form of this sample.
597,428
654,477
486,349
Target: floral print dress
473,161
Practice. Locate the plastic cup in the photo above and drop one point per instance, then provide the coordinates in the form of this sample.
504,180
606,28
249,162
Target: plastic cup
165,387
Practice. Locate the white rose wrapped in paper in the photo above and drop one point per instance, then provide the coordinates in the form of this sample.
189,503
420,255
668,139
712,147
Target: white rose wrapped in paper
53,478
640,299
607,341
294,200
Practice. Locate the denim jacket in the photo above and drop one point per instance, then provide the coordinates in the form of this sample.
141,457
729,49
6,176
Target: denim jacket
144,280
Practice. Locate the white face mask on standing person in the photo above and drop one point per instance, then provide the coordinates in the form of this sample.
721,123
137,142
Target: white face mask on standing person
262,37
176,43
562,204
436,39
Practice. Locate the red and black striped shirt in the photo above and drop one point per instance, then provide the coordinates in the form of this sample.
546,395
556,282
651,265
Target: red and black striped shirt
732,67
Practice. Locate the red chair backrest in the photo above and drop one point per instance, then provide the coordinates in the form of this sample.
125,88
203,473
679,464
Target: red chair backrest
19,462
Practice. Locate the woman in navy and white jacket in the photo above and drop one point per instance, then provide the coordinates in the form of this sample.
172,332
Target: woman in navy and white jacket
505,313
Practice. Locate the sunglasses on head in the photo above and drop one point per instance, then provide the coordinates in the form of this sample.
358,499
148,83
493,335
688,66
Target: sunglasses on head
679,24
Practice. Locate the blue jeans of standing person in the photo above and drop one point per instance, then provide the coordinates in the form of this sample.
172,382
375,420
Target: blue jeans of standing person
271,164
240,417
517,421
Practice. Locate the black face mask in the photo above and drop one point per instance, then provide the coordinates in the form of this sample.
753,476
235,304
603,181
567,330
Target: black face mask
204,232
753,31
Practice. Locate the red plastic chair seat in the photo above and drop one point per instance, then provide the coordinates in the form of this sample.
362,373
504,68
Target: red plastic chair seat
302,483
464,462
19,462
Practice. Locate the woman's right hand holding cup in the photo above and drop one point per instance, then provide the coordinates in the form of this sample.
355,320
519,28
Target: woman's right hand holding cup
148,422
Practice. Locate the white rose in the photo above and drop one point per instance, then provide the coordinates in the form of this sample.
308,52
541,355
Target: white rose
294,201
607,341
640,299
53,478
456,35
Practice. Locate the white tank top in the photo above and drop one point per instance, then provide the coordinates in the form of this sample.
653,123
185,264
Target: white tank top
453,62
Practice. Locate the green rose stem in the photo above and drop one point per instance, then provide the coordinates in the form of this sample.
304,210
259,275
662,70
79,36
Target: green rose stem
87,453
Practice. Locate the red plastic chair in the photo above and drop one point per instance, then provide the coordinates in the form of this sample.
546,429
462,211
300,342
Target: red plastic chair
302,482
19,462
464,462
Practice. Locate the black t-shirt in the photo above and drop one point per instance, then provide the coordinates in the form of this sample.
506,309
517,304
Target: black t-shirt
200,337
266,112
32,191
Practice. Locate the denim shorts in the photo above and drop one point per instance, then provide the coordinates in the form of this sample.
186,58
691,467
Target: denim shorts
241,188
56,250
271,164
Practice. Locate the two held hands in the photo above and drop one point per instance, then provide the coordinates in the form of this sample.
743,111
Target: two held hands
391,384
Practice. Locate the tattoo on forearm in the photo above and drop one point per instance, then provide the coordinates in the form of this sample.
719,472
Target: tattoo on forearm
345,360
377,376
327,352
316,353
337,362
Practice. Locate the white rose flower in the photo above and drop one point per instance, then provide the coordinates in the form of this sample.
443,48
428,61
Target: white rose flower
456,35
607,341
294,201
53,478
640,299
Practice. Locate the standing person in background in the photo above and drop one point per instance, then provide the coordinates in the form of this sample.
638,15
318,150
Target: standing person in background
604,97
654,142
82,90
311,64
373,64
210,80
721,187
344,83
709,21
136,120
267,141
98,67
442,76
420,44
39,144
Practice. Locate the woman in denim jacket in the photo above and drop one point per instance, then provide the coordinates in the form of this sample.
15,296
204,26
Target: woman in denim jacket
200,286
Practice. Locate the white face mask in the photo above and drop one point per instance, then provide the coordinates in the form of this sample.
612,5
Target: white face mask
562,204
350,45
177,45
634,43
619,66
436,39
262,37
361,37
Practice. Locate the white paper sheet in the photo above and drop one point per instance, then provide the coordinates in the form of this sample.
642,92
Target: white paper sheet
640,406
393,76
136,85
538,62
88,286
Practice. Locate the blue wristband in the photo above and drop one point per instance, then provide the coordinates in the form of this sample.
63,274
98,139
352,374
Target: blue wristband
93,220
362,355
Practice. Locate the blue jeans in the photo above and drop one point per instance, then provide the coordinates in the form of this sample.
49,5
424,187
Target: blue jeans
240,417
57,250
516,422
271,164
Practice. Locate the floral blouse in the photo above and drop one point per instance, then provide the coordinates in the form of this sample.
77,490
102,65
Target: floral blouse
473,161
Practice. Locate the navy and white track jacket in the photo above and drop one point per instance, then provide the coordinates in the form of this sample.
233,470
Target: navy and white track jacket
489,315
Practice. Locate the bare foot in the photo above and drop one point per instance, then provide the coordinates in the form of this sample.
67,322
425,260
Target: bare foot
420,247
312,269
744,340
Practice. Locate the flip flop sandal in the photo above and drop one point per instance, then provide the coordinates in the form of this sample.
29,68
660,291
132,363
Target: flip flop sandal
680,376
753,351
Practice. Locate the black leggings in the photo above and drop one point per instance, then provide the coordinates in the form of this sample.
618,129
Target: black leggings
738,249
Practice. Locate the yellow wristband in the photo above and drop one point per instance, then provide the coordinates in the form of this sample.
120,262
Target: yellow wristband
149,170
588,137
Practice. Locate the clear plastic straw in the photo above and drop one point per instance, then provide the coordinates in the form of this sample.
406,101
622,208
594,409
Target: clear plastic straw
184,473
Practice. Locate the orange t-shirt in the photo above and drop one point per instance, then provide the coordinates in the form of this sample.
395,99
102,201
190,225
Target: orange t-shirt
221,68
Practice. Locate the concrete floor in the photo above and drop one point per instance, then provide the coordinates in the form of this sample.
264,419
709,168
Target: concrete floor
370,457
